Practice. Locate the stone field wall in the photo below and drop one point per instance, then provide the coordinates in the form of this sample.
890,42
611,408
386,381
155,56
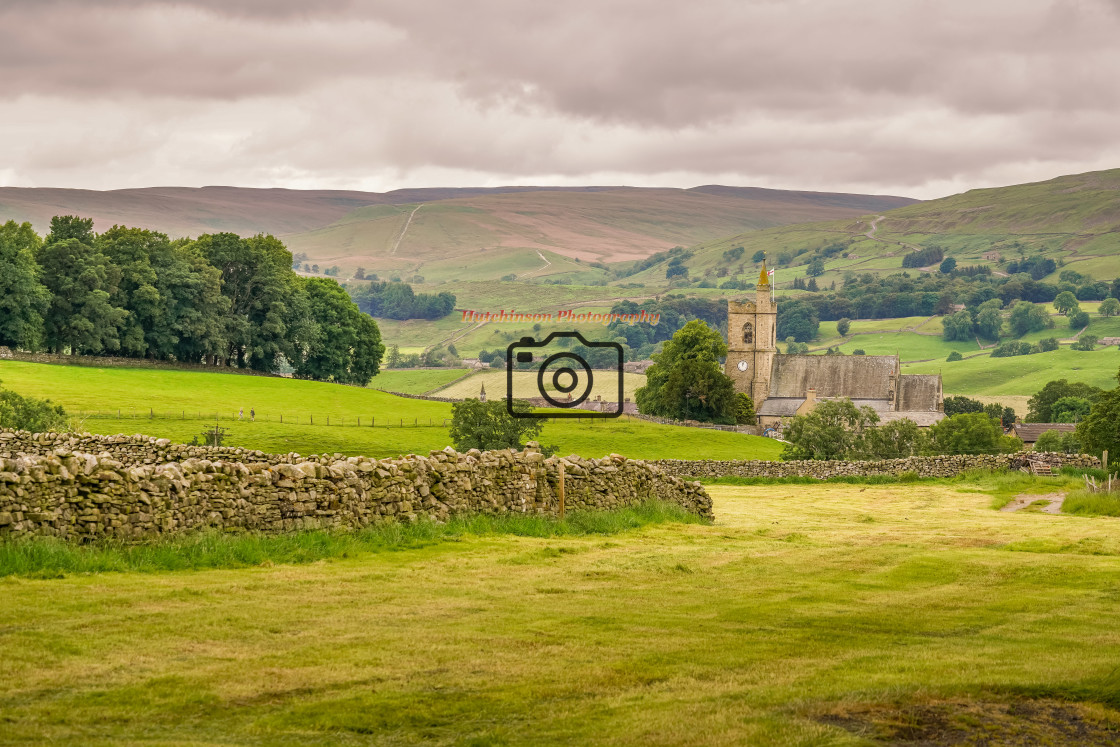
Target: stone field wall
64,492
931,466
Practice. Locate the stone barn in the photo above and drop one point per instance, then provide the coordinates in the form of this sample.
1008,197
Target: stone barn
786,385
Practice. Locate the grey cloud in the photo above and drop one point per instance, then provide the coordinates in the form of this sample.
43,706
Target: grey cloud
899,94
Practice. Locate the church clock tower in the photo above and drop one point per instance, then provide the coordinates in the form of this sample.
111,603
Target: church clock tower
752,337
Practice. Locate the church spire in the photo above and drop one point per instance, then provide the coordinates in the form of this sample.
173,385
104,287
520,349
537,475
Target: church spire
764,278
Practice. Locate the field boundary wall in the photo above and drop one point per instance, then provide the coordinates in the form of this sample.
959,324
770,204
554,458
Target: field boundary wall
79,496
929,466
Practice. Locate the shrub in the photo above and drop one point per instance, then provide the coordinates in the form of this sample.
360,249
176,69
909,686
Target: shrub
29,413
1085,342
954,356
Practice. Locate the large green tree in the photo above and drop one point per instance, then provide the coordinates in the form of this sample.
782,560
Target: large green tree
958,326
144,331
1028,317
82,282
686,382
489,425
1040,406
833,430
23,299
345,344
971,433
1100,430
268,314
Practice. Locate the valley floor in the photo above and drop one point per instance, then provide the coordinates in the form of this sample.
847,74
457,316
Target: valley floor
803,615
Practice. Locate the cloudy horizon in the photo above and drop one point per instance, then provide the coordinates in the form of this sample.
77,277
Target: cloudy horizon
903,97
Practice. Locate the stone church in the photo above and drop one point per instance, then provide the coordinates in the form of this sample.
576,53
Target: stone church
786,385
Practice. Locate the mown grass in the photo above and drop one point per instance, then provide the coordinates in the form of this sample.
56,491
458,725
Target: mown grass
797,600
45,557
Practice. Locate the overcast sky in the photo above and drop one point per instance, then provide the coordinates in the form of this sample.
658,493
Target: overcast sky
903,97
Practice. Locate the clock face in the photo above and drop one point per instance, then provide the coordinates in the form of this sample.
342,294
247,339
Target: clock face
743,365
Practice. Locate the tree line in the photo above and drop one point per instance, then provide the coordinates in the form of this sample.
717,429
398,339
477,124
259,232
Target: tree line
219,299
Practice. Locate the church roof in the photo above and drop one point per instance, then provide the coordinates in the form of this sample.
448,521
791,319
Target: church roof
918,392
853,376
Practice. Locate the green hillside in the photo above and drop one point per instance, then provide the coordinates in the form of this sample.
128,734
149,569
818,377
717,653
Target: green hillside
1074,220
490,236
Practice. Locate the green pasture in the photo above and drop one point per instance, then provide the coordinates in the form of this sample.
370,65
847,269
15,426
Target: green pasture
324,418
1024,374
805,615
416,380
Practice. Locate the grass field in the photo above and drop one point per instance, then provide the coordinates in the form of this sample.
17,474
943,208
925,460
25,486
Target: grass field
605,385
416,381
803,616
184,403
1024,374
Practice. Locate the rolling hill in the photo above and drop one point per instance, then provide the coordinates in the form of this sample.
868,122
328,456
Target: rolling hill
1075,219
443,232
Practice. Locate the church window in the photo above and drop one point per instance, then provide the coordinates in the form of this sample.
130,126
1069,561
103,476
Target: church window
748,333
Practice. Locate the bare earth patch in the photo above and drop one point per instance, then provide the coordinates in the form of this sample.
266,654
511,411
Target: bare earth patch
1049,503
986,723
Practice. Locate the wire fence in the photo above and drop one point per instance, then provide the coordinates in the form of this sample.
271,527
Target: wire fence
332,420
305,419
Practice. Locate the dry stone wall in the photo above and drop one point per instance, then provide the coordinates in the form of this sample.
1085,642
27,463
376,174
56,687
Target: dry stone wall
81,496
131,450
933,466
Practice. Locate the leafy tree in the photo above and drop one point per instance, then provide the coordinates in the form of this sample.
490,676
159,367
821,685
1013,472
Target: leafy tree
797,319
1028,317
833,430
1063,443
346,344
989,320
897,439
65,227
1109,307
23,299
744,410
1066,303
957,404
685,381
947,266
815,267
1100,430
1070,409
971,433
130,251
859,351
489,425
267,315
1086,341
1078,319
360,273
193,315
1005,415
843,326
29,413
1041,405
81,281
1048,344
954,356
758,256
957,327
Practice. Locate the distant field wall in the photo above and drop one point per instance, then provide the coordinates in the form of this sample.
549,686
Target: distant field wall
80,496
932,466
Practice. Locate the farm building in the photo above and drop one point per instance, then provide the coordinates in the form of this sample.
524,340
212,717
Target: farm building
1029,432
786,385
